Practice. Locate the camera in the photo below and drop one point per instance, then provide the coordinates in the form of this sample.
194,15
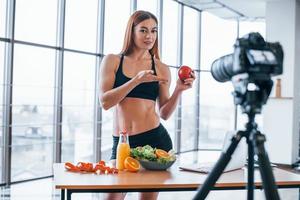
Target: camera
250,68
252,55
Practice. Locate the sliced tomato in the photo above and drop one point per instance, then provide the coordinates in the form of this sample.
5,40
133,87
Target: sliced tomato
98,168
70,167
101,162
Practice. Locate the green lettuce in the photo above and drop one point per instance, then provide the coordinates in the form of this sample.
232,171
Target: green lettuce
147,153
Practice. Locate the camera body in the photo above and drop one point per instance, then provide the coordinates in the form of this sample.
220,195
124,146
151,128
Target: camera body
252,55
250,68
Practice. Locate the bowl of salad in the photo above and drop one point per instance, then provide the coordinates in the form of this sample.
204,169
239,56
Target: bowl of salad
153,158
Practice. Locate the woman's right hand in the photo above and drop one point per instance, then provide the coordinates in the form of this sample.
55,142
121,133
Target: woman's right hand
148,76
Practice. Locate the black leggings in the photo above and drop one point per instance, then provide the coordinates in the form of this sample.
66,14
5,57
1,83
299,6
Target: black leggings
156,138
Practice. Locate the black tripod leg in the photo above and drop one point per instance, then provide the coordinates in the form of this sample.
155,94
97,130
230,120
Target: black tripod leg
250,184
265,168
219,167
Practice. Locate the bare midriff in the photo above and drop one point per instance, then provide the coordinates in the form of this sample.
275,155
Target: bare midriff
135,115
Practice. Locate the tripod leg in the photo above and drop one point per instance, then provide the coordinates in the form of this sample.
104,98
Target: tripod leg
219,167
250,185
265,168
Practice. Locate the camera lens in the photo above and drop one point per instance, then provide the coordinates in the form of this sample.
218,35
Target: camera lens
221,68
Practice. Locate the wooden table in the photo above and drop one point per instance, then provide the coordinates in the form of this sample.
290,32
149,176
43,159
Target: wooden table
149,181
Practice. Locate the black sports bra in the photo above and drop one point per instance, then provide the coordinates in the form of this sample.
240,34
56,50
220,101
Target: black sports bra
147,90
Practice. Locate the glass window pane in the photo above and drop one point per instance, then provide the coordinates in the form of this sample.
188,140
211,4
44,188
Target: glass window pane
107,131
188,128
2,17
32,112
190,37
79,76
1,100
78,109
36,21
169,52
170,123
170,32
252,26
1,151
77,143
148,5
81,25
216,111
116,16
31,157
33,78
34,66
1,71
217,38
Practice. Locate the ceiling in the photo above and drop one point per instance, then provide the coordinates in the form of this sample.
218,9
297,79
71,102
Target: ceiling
232,9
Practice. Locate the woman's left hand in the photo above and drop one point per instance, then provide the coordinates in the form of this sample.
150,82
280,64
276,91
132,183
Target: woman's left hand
186,84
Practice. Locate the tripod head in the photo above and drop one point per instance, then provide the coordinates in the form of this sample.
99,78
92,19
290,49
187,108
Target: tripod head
251,94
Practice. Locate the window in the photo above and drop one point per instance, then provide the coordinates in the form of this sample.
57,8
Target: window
148,5
2,17
216,111
190,46
32,112
169,51
169,124
170,32
216,102
36,21
2,45
81,25
217,38
78,107
107,131
116,17
1,101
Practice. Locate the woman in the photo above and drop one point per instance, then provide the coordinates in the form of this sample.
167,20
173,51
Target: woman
133,82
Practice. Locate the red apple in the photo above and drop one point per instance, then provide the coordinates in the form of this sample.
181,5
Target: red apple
184,72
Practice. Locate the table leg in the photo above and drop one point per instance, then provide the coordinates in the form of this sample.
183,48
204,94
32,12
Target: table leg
62,194
69,194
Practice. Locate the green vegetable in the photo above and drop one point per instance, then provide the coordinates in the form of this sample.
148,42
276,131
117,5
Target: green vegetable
147,153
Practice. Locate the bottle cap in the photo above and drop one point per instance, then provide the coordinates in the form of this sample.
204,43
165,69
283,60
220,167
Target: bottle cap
123,133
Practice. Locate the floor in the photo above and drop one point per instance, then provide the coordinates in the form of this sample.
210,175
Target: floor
44,189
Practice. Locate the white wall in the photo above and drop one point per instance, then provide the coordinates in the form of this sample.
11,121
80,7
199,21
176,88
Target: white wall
297,80
281,116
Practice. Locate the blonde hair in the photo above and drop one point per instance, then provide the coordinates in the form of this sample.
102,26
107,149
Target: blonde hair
136,18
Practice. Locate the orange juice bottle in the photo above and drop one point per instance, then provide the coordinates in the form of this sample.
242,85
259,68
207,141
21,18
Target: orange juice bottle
123,150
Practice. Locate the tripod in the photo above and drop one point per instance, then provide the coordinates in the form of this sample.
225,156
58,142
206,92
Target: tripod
251,102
